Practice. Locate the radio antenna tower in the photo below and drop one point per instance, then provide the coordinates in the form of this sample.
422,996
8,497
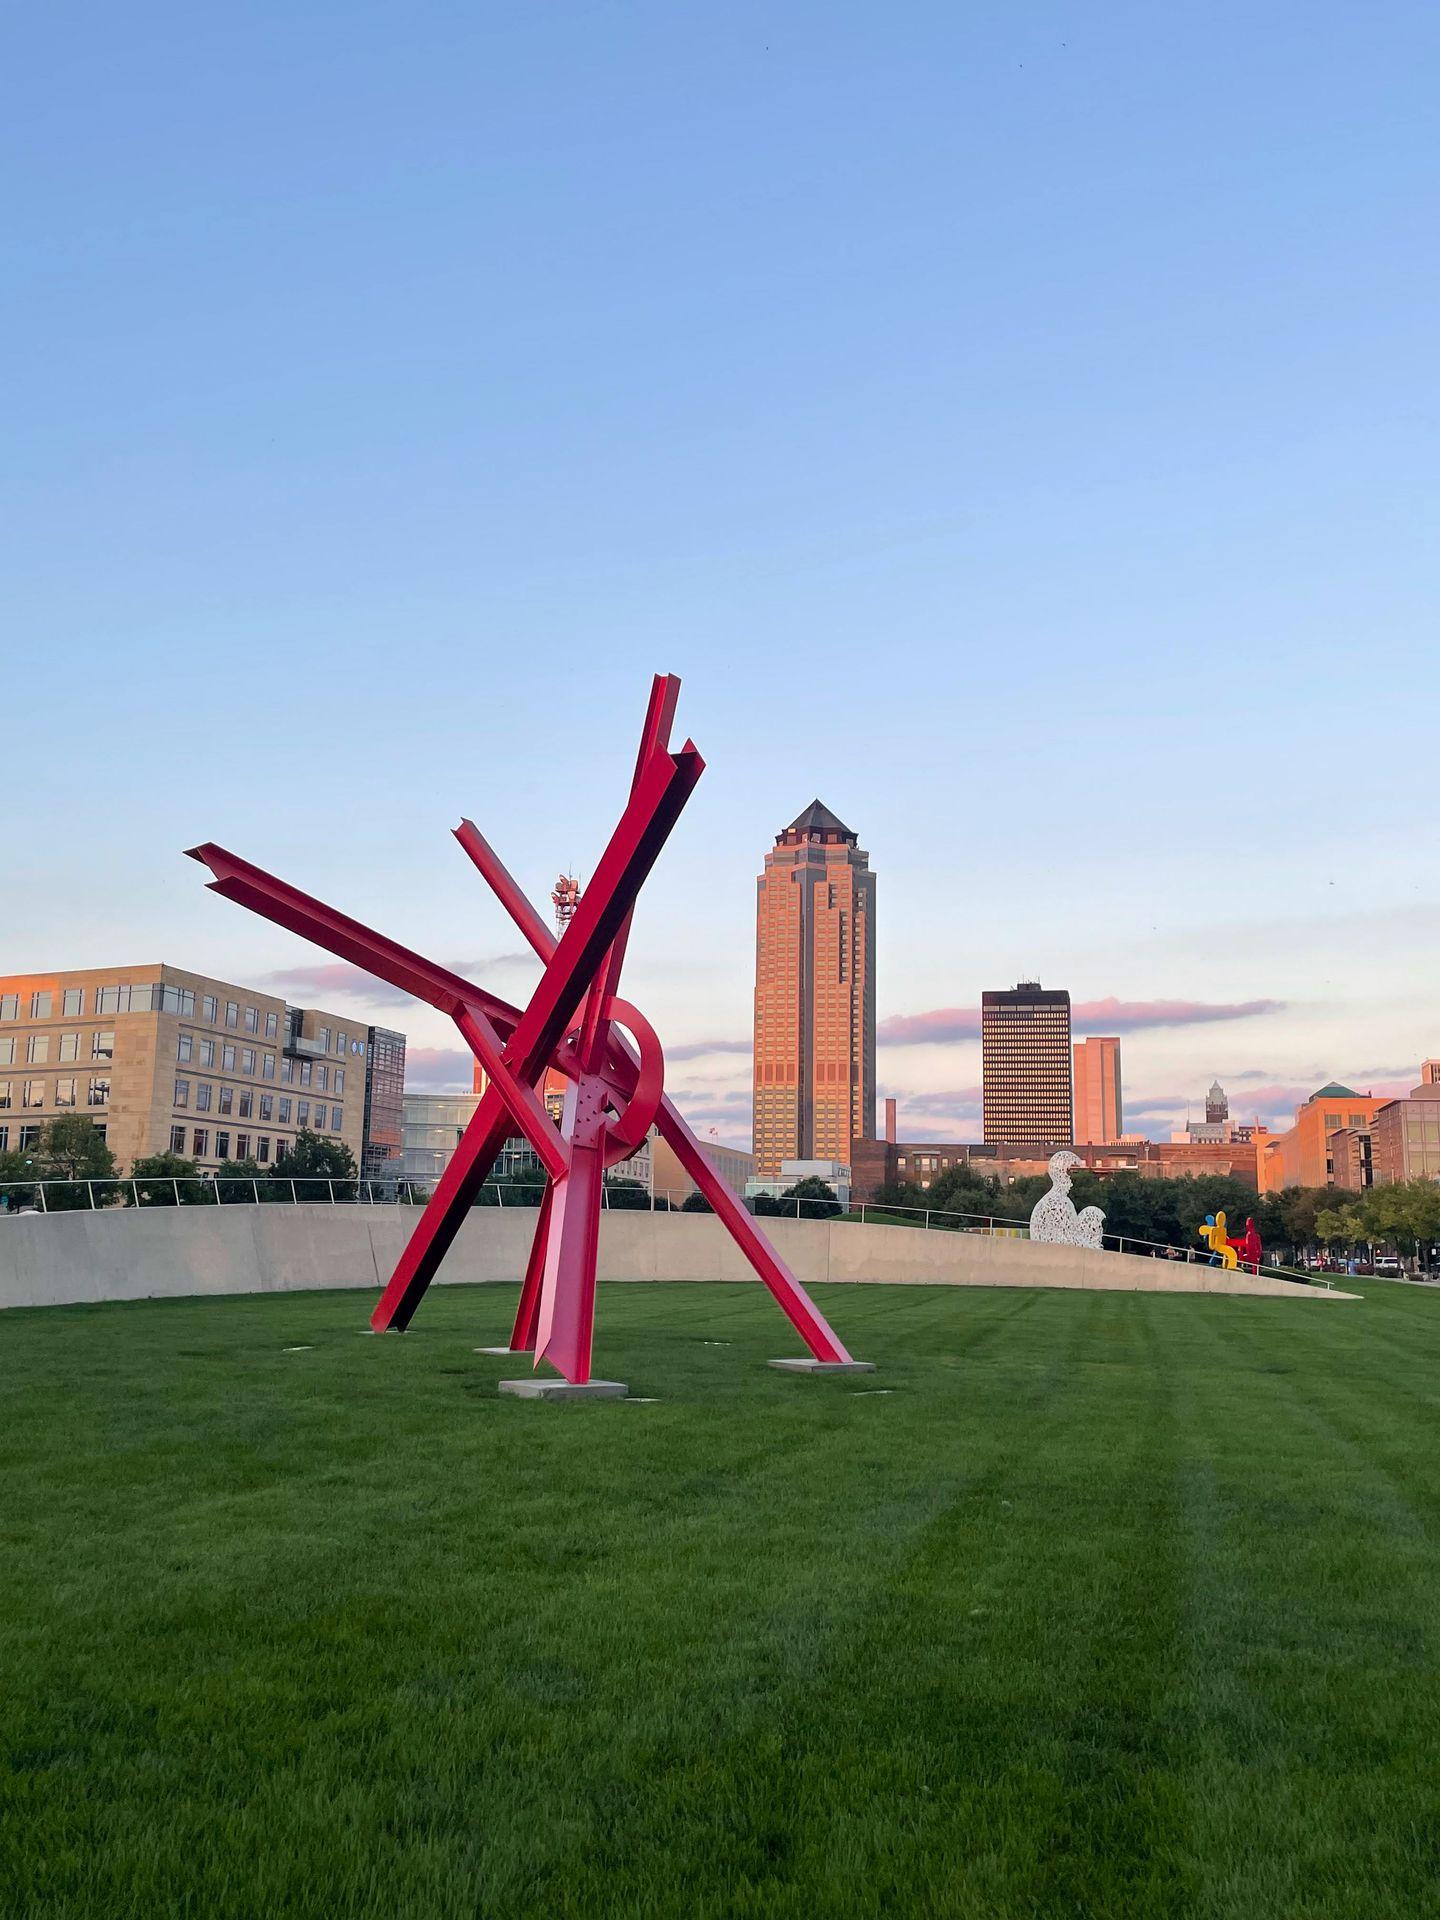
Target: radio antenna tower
565,898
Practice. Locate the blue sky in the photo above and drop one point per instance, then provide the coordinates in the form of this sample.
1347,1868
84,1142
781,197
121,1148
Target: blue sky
1017,425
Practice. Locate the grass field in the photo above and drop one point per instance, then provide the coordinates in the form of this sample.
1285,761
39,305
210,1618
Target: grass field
1112,1604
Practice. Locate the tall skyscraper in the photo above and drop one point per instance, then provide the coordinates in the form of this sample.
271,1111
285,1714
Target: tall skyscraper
1217,1106
814,995
1025,1068
1099,1116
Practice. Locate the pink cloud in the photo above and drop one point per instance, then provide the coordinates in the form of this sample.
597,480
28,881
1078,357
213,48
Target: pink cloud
339,977
941,1026
697,1049
438,1070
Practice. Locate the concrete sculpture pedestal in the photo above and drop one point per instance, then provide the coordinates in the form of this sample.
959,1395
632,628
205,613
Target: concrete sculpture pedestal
824,1366
565,1389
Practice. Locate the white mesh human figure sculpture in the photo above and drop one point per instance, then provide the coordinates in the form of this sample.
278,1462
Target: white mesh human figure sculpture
1054,1220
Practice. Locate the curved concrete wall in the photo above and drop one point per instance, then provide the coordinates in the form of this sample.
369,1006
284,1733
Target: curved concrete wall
164,1253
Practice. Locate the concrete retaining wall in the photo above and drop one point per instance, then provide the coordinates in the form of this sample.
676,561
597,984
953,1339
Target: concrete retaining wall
164,1253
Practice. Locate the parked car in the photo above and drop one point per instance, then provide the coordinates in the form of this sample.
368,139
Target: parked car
1387,1266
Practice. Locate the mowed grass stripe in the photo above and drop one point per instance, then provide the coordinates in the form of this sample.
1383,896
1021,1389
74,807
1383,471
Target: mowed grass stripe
1309,1626
1067,1623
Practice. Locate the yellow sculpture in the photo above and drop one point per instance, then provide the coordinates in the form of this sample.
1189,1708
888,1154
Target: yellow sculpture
1213,1234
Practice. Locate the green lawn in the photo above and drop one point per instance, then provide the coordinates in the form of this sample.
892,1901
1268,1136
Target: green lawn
1111,1605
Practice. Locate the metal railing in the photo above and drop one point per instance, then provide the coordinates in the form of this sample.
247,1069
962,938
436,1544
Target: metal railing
68,1196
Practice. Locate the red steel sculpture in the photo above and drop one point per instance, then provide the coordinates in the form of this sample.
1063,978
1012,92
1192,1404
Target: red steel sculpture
576,1022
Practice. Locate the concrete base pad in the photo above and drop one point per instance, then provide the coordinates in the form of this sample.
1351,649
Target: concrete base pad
496,1349
540,1389
824,1366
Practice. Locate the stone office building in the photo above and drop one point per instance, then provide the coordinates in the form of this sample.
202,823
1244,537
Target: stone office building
166,1060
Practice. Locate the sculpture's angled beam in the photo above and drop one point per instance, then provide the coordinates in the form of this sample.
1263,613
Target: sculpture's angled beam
348,939
628,857
644,827
476,1152
506,888
792,1299
565,1322
621,1069
527,1313
526,1107
654,738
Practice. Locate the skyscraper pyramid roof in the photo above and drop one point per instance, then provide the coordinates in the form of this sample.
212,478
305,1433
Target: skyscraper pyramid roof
817,818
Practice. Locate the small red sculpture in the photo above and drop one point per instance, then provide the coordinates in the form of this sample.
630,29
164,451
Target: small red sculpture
1249,1247
575,1022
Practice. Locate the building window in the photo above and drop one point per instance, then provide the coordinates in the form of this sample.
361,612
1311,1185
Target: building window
7,1095
202,1097
262,1148
102,1045
302,1113
284,1115
227,1099
247,1105
339,1079
4,1139
37,1049
123,999
272,1025
222,1146
287,1071
182,1093
322,1078
354,1046
64,1093
69,1046
34,1093
319,1119
9,1006
227,1057
184,1046
98,1094
242,1146
177,1139
252,1025
267,1066
41,1002
324,1037
232,1013
29,1137
179,1000
209,1007
267,1106
200,1143
335,1120
207,1053
72,1002
247,1060
7,1051
307,1072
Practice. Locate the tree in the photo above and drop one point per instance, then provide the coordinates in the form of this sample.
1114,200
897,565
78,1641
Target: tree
157,1178
696,1203
240,1180
812,1199
72,1148
17,1175
313,1162
1406,1214
522,1189
622,1196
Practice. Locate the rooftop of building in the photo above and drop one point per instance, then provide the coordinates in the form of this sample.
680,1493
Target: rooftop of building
817,821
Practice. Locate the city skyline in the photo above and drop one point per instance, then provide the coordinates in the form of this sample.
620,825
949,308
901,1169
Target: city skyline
1070,548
